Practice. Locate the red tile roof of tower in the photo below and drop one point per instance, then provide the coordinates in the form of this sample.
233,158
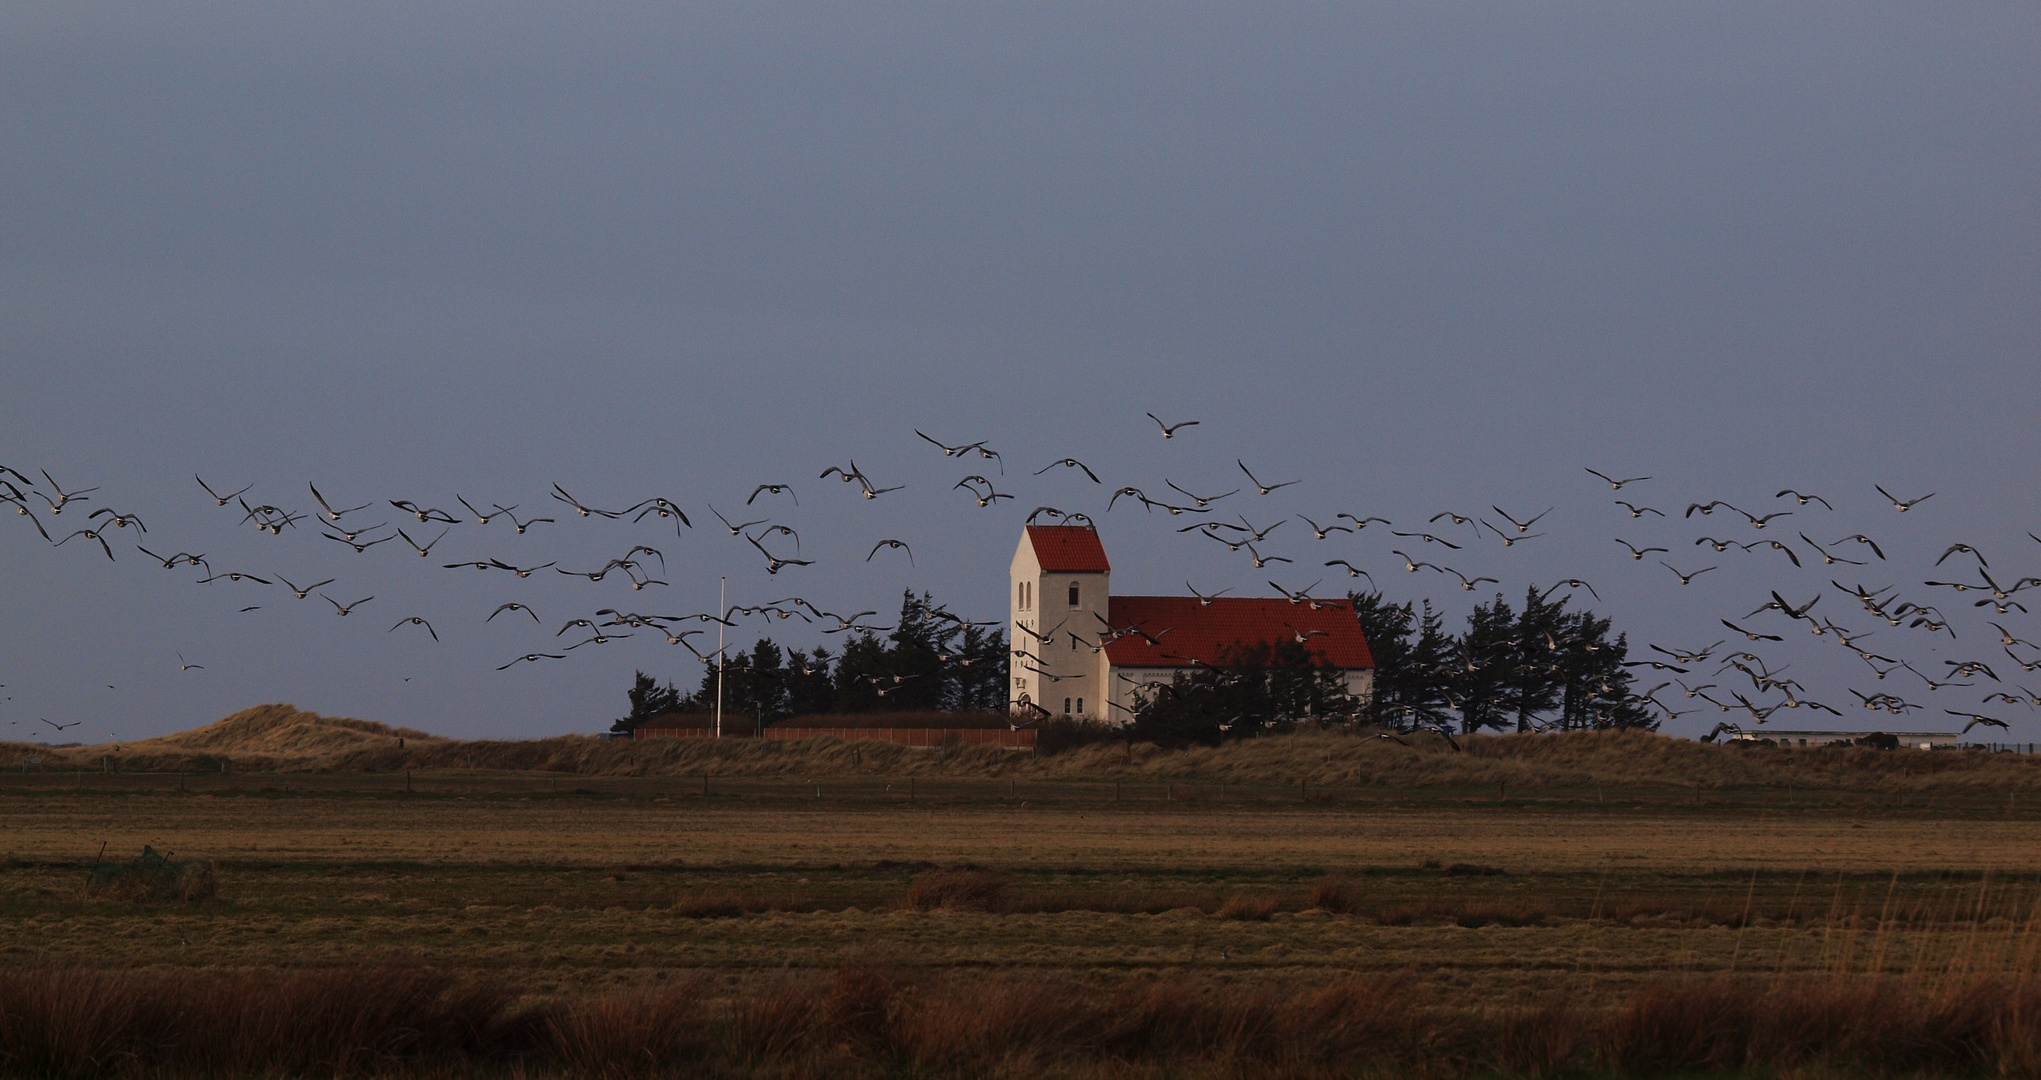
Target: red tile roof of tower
1068,549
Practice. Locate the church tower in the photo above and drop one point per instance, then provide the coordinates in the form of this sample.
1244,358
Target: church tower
1060,596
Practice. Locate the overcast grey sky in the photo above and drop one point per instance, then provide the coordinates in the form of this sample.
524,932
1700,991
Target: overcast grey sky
1419,257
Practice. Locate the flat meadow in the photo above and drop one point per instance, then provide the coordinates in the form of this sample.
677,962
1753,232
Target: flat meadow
1112,911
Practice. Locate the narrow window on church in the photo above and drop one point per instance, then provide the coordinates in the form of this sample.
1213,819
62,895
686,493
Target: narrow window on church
1080,706
1066,706
1073,594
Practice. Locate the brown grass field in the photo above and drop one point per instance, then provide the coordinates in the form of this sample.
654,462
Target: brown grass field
1315,905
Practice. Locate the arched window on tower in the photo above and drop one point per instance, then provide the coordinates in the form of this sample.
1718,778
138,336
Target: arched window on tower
1066,706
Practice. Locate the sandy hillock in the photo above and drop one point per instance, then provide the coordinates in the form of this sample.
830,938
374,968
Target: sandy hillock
282,738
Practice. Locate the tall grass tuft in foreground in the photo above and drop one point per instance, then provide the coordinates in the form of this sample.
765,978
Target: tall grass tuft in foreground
870,1019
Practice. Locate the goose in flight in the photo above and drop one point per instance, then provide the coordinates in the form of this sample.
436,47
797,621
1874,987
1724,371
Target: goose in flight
1615,484
1903,505
665,508
523,571
1261,560
890,543
1320,532
1300,596
415,621
89,534
1427,538
1510,539
427,549
1521,526
774,489
1352,571
1829,558
1258,485
849,622
1685,579
1774,544
990,496
1637,511
301,593
512,606
1752,634
118,520
534,658
480,517
870,492
186,665
1362,523
1169,430
232,575
1707,508
1458,519
181,557
1132,492
1205,599
335,515
1411,564
424,514
1952,549
219,499
1802,499
1976,719
948,451
773,563
735,529
2006,637
1196,500
1868,542
1570,583
560,495
527,523
1070,463
1757,522
22,509
1639,553
1467,583
339,609
1718,545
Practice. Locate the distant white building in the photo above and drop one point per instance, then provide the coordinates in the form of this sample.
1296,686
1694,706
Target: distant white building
1085,653
1908,740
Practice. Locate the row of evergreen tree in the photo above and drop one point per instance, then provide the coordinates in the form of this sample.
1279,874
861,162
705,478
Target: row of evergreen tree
930,660
1542,668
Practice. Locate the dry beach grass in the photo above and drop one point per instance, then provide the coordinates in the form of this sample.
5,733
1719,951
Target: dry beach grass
1111,911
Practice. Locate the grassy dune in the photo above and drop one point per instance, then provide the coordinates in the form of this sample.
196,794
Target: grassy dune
280,738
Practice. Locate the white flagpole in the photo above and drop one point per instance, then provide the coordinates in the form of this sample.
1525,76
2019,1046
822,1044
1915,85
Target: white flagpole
722,616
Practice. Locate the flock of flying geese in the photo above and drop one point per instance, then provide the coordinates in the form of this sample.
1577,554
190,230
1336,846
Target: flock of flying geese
1428,547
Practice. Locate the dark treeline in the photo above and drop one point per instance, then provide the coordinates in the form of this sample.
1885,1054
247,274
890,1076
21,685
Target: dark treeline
930,660
1542,668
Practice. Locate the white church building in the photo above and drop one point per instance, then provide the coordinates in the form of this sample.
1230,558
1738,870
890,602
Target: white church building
1082,652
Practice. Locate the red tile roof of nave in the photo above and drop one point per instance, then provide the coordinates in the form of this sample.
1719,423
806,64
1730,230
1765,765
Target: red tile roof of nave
1184,627
1068,549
